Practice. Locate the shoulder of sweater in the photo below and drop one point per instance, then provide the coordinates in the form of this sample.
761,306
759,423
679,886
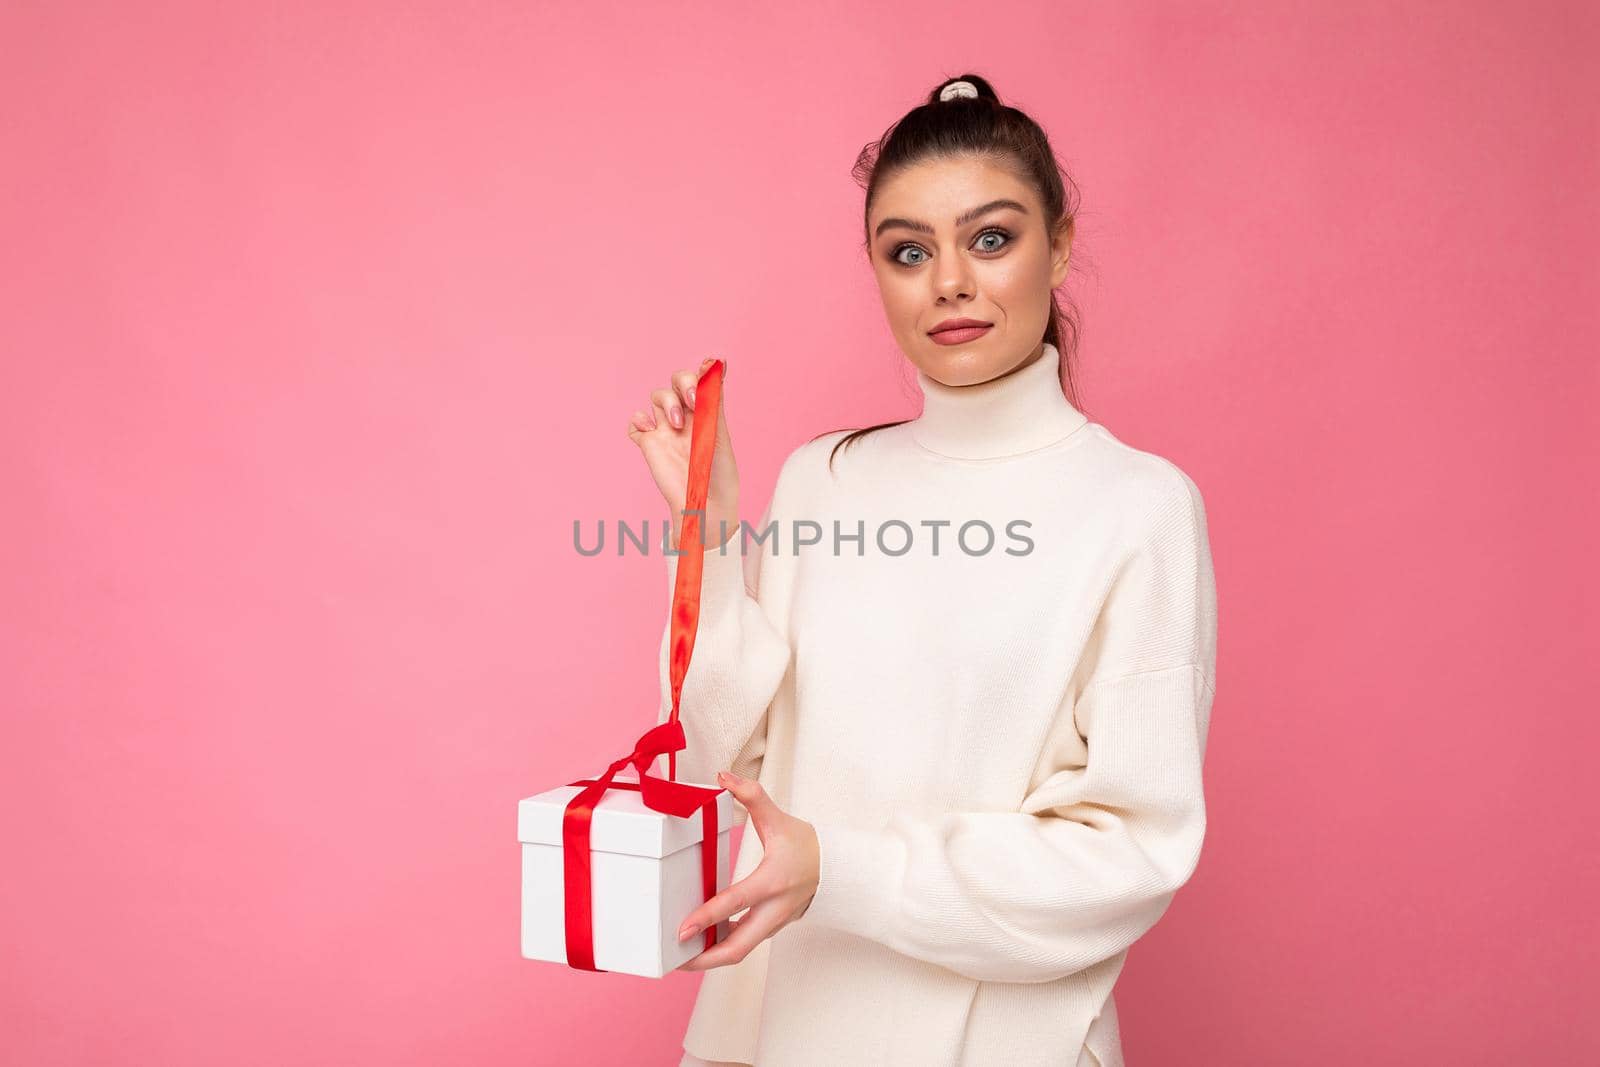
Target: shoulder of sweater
817,448
1144,487
809,460
1144,484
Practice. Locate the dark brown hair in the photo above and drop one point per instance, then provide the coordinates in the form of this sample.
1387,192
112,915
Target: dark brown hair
983,127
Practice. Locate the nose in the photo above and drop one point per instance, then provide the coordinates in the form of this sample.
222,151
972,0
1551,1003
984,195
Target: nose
952,281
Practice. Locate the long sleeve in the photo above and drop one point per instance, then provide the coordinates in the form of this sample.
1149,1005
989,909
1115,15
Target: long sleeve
739,659
1112,822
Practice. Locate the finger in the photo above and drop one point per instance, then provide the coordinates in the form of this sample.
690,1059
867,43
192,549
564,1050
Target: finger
756,800
698,963
722,412
643,421
738,896
749,932
683,383
669,406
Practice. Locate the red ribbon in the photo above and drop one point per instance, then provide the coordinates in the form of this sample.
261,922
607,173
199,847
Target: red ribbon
666,795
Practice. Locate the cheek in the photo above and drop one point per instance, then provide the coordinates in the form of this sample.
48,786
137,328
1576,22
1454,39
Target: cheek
901,296
1015,280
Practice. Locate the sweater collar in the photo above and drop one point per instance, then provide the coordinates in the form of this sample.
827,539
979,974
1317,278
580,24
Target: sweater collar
1017,412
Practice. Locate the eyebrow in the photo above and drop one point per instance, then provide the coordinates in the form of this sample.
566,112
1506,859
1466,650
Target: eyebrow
966,217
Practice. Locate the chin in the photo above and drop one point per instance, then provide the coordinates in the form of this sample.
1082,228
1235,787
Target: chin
966,364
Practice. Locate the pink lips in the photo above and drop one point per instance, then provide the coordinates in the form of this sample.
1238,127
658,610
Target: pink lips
960,335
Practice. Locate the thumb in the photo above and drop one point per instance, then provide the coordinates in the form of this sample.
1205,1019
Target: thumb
723,463
722,405
749,793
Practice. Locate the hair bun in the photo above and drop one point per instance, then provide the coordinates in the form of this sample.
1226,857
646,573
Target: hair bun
958,88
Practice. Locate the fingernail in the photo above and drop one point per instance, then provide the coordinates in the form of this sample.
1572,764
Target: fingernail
691,394
677,417
686,932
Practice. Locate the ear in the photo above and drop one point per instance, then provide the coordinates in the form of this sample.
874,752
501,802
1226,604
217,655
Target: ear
1061,251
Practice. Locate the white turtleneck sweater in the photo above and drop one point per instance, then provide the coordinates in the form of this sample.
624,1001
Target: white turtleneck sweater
1000,750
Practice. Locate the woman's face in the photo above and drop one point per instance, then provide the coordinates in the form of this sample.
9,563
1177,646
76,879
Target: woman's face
965,239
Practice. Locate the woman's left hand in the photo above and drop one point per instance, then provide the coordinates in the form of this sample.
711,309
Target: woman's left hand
777,892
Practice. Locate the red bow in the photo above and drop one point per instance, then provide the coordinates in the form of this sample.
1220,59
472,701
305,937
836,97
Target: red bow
666,795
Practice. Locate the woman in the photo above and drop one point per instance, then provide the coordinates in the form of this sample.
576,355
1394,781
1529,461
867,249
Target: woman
965,682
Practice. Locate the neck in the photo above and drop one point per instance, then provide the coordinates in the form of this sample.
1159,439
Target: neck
1015,413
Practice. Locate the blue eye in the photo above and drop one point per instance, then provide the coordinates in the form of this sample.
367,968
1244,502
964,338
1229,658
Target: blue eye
993,231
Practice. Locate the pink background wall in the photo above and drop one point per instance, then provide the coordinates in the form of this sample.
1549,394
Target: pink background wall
321,326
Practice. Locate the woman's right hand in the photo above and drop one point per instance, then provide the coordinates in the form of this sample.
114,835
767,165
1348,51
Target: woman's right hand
666,452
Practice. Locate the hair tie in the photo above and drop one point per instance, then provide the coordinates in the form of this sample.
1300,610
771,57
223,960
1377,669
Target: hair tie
955,89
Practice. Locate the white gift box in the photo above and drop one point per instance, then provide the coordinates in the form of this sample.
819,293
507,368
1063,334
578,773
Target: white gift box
645,879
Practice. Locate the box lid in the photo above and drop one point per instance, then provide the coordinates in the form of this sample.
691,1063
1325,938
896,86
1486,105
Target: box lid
621,822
